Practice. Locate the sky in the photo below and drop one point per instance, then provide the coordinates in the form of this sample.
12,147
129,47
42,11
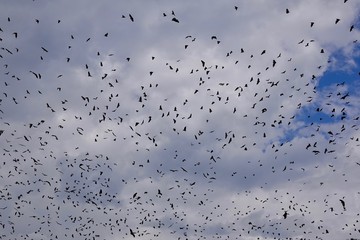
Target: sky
179,119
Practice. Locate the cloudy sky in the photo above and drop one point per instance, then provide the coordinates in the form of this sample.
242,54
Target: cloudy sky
179,119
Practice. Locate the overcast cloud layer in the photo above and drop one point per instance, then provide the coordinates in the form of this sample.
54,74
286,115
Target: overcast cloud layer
179,119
